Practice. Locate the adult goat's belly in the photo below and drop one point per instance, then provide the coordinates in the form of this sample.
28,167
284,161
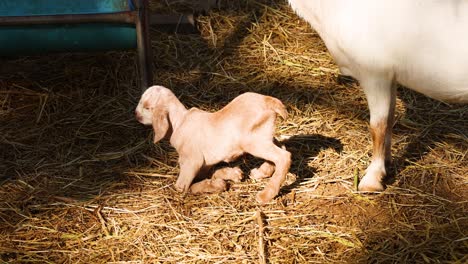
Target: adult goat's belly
438,68
437,81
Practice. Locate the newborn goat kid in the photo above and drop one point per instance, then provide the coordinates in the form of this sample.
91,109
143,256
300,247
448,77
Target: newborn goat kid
202,139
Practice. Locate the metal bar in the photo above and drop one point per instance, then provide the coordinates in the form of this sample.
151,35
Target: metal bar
163,19
144,45
181,24
127,17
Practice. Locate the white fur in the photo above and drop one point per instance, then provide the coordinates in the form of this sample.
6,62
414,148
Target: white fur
421,44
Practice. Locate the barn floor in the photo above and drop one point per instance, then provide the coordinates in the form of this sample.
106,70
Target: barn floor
82,182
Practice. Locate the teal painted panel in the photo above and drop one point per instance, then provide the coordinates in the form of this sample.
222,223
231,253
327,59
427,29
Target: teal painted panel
55,7
28,40
68,38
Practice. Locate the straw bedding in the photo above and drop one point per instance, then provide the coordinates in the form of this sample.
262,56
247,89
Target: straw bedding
81,181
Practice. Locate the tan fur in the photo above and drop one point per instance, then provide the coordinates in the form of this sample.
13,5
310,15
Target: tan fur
202,139
277,106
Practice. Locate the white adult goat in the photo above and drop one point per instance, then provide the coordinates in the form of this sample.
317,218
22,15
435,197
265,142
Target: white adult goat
421,44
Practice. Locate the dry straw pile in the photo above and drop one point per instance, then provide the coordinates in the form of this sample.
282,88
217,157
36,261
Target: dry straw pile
81,181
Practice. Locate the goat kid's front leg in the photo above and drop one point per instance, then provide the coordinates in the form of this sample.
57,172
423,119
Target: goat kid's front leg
189,168
381,97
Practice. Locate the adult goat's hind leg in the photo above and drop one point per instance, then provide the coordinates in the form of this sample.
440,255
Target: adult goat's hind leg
381,96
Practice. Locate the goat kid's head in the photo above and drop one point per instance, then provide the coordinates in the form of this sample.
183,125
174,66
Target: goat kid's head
152,109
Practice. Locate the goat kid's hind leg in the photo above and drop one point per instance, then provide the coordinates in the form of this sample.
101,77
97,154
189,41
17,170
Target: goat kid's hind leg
264,171
208,186
228,173
282,161
217,183
189,168
381,96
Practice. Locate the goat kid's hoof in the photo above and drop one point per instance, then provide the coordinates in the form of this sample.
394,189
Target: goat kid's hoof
257,174
369,184
217,185
265,197
180,187
234,174
208,186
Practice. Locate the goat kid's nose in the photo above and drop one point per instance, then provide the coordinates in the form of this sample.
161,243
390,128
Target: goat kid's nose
137,116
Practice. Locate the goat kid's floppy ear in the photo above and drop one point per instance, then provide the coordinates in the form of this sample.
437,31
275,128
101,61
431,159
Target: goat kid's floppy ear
160,123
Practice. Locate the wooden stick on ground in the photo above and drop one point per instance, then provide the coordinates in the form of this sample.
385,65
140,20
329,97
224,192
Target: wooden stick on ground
261,243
